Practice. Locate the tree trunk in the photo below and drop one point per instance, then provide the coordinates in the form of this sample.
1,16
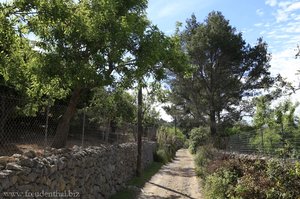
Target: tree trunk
140,131
107,131
63,127
213,125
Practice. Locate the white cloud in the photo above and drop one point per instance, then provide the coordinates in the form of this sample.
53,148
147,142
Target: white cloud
282,16
163,113
285,11
271,2
293,7
283,35
258,24
259,12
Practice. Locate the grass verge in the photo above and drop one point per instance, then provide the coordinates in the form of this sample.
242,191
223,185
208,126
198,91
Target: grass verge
138,182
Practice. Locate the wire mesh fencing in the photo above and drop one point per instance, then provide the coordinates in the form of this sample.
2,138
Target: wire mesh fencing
265,143
25,127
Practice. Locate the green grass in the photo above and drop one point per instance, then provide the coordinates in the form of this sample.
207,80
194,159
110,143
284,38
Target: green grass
138,181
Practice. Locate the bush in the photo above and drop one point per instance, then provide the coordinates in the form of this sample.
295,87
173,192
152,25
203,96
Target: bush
198,137
286,179
203,156
169,141
246,178
162,156
219,184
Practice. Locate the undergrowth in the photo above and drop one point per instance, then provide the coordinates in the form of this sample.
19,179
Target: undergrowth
237,177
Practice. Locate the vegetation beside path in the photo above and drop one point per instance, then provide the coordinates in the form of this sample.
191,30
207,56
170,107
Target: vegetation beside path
230,177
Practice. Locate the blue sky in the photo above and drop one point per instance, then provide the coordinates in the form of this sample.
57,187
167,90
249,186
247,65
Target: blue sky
277,21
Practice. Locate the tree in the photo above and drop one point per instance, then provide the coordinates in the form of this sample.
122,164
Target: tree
277,126
152,55
223,69
81,44
111,107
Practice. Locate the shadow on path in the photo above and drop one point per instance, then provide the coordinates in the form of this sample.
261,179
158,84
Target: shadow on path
174,191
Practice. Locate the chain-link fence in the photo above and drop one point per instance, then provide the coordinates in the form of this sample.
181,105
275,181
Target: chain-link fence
25,126
264,142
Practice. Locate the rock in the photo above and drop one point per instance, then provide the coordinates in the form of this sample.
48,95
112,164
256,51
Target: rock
4,184
32,177
61,165
76,148
5,173
72,181
63,150
14,167
14,179
27,162
5,159
16,155
53,168
25,188
62,184
30,154
26,170
48,182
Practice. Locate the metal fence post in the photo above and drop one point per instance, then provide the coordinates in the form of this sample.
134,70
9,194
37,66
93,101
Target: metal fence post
262,141
83,128
46,128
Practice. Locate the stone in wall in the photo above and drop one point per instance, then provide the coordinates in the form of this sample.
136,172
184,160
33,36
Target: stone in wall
93,172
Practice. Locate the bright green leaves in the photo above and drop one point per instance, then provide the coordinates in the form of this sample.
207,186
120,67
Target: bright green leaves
114,105
80,42
282,116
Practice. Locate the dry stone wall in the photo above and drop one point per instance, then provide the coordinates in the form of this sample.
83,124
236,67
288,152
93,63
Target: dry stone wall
93,172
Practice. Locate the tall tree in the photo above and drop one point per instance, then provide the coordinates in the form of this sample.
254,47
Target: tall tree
223,68
81,44
152,54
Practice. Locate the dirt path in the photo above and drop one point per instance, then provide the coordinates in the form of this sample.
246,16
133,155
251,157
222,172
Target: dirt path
174,180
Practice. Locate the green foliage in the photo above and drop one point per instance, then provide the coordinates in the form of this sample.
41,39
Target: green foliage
218,184
277,129
163,155
285,178
115,106
169,136
198,137
247,178
169,141
222,68
266,140
238,128
203,156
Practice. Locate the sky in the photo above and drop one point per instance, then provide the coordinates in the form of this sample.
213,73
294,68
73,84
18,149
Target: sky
276,21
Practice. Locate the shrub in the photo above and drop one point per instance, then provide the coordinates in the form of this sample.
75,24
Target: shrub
169,141
168,136
249,178
162,156
203,156
219,184
198,137
286,179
